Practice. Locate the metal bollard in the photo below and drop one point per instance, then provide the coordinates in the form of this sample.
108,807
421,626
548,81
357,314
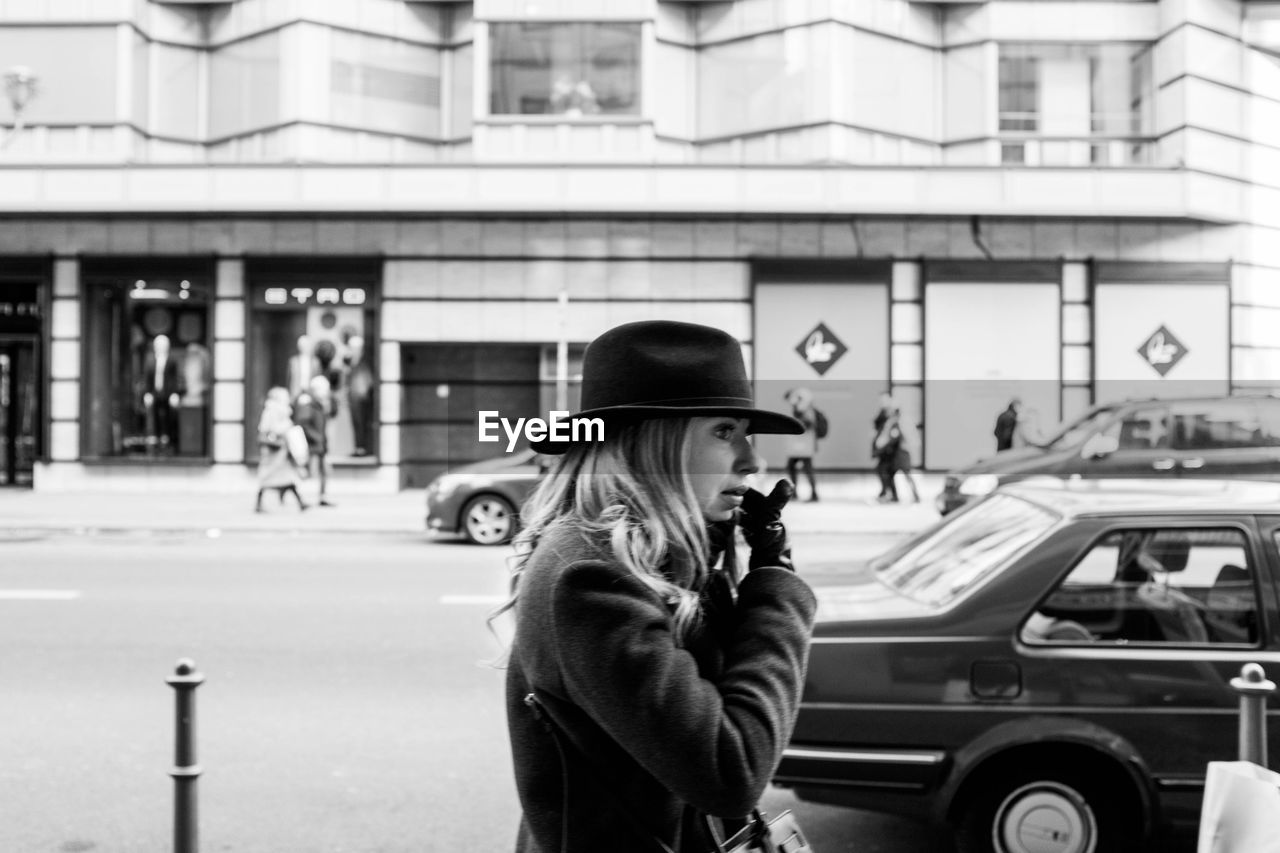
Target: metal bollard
185,771
1254,687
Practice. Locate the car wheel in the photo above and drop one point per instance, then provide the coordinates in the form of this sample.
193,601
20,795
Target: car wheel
1046,812
488,520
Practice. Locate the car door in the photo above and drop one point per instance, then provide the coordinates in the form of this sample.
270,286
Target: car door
1143,635
1136,444
1224,439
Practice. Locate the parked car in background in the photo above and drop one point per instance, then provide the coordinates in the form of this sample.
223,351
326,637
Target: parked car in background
1214,437
482,500
1047,669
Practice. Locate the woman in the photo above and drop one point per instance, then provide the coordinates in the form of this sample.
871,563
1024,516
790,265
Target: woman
276,468
887,447
648,687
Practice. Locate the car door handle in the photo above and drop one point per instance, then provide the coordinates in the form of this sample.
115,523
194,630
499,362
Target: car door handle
1194,462
1164,464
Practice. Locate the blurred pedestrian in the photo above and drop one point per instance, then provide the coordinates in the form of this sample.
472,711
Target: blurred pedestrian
802,448
1007,425
886,446
277,468
311,411
651,683
908,446
1029,431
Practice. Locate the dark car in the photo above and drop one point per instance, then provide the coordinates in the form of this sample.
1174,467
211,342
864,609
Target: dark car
1214,437
482,500
1047,669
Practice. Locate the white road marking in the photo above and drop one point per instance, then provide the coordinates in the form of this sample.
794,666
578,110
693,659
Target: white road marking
493,600
38,594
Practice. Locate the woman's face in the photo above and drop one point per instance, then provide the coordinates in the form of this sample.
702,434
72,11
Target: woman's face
721,459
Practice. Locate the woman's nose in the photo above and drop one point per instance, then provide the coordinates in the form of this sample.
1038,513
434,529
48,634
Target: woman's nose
748,461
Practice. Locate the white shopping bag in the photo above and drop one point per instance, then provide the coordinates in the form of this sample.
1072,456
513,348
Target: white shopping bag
1241,812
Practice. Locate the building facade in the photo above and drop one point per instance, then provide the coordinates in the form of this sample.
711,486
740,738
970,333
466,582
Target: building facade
438,203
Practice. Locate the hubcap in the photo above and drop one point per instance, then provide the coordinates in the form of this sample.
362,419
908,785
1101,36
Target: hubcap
1045,817
488,521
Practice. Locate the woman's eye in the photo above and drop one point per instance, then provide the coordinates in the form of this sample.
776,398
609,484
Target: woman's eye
725,431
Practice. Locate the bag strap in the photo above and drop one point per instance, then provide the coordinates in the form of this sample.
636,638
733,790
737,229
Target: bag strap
559,734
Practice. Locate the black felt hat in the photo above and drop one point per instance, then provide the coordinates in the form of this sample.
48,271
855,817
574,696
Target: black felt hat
664,368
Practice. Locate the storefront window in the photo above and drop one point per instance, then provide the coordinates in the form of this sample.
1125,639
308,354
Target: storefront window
302,328
147,366
569,69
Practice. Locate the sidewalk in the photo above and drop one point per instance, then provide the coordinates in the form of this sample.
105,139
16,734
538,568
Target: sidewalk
848,506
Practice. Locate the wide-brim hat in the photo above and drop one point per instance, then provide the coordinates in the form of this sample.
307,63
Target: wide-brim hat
667,369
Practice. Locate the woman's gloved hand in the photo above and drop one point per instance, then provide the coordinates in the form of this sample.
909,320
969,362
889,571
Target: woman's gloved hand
720,538
761,522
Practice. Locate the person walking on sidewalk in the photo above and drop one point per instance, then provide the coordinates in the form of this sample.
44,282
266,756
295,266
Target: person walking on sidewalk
650,682
886,446
277,469
311,411
802,448
908,445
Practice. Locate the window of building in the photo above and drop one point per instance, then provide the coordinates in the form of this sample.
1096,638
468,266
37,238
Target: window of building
177,91
772,80
83,91
1075,90
307,326
567,69
147,368
385,84
1162,586
244,86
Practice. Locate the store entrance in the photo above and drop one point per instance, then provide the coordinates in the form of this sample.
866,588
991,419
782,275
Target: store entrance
19,421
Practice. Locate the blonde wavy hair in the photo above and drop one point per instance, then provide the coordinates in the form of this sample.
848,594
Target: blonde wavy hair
632,491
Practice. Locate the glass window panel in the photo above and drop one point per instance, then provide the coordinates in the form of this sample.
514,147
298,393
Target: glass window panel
83,91
1178,586
1222,426
300,329
244,86
148,367
1143,429
771,80
1075,89
385,84
570,69
177,88
463,92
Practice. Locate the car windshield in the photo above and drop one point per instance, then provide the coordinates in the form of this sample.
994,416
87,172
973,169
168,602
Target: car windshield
1077,432
943,563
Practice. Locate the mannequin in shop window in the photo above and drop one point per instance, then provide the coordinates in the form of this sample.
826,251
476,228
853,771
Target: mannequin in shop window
360,393
161,392
303,367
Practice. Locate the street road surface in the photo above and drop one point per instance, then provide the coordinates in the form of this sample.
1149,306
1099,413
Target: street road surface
351,705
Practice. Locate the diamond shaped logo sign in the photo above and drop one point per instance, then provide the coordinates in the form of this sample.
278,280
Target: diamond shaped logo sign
1162,350
821,349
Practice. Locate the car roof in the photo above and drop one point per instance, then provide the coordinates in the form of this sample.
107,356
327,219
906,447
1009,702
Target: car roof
1080,498
1205,398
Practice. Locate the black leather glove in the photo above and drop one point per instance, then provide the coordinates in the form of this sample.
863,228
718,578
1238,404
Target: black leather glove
761,523
719,537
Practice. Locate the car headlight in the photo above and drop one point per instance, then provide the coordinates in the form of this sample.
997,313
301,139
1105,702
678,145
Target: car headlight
445,485
979,484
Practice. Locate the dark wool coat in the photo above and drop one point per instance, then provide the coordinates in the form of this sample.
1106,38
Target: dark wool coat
669,732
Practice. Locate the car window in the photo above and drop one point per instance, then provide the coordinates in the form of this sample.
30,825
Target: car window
1216,426
1164,586
1080,430
1268,422
1141,429
955,557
